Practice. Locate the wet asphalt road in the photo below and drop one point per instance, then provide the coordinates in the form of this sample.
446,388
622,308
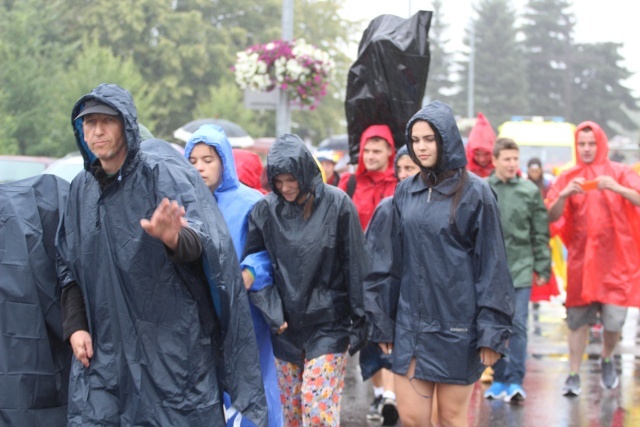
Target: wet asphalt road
547,368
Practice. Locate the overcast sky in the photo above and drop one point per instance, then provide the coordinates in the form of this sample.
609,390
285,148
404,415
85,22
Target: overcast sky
597,21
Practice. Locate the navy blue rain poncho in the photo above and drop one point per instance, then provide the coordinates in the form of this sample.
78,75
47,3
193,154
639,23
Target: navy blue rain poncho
377,236
34,360
164,349
319,263
235,201
446,291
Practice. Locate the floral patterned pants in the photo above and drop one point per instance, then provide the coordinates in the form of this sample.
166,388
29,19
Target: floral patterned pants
311,394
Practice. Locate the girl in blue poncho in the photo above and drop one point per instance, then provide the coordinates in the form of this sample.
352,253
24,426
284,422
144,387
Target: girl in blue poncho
209,151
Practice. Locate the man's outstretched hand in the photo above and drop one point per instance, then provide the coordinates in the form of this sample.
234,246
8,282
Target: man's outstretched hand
166,222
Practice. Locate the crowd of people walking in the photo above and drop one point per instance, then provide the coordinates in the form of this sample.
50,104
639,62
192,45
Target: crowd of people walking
161,289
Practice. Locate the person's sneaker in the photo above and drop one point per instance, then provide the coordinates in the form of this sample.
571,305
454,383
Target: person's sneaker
572,385
515,393
389,412
609,378
496,391
374,409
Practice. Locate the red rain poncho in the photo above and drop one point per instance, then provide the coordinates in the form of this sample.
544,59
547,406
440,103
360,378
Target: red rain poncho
372,187
249,168
481,138
601,232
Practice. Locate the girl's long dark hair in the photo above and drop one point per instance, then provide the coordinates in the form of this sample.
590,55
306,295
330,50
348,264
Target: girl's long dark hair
308,206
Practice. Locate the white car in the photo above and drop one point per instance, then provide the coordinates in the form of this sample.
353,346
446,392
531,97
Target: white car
67,167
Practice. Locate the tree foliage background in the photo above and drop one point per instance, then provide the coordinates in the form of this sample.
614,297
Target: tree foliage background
528,63
175,56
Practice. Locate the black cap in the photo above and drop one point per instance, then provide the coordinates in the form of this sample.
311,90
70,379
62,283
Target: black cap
94,106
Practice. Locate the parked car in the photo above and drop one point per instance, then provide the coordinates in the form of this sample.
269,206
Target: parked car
13,168
67,167
238,137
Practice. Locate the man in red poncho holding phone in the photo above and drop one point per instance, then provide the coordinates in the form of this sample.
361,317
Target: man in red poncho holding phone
600,203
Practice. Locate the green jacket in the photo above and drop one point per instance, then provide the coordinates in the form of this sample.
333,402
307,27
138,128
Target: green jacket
525,225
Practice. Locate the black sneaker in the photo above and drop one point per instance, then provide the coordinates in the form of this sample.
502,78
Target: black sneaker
609,376
389,412
374,409
572,386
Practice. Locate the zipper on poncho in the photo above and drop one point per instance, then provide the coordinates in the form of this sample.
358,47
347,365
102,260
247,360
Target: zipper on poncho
429,197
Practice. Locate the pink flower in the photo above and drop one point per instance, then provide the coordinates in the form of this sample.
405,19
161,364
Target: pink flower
286,76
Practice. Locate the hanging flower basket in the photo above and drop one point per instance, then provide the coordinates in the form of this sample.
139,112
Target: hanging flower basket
297,67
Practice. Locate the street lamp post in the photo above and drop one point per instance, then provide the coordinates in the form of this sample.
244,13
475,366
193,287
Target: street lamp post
471,82
283,109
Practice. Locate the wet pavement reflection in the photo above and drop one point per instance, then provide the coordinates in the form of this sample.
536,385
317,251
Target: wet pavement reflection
547,368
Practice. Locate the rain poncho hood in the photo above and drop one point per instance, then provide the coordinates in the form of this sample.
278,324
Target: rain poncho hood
34,360
372,186
439,115
249,168
288,154
319,262
113,96
380,131
445,290
168,337
402,151
235,201
601,231
481,138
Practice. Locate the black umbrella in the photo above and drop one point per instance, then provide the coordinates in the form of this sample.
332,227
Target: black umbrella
238,137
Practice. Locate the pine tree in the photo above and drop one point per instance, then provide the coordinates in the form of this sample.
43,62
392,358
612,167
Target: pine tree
548,31
598,94
499,78
439,82
576,81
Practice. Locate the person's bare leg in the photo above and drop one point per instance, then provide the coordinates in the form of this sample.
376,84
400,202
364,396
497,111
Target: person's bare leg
577,346
386,379
609,342
453,404
414,399
434,407
376,379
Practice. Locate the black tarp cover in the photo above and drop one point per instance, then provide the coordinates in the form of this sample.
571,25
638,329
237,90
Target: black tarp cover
161,355
34,361
387,81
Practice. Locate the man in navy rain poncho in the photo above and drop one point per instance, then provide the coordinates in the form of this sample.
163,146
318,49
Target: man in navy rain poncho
153,302
34,361
209,151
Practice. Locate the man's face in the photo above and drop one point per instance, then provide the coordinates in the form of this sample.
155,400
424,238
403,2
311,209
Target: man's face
207,162
287,185
376,154
329,167
105,137
587,146
406,168
482,158
506,164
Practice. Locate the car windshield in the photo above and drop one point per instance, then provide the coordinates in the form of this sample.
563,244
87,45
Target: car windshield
13,170
549,155
66,170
